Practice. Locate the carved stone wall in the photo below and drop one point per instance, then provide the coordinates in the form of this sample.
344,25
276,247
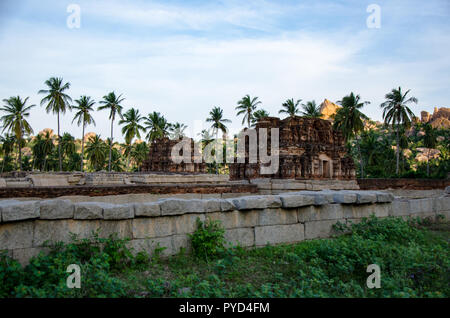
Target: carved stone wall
159,157
308,149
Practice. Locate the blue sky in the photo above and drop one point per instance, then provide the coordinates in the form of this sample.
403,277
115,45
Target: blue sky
181,58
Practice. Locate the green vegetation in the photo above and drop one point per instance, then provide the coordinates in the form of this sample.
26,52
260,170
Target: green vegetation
414,262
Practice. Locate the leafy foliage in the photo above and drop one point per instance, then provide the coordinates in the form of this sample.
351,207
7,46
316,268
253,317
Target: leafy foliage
208,240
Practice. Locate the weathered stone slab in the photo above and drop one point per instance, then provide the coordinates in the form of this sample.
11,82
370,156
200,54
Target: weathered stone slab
56,209
421,207
12,210
212,205
277,234
16,235
384,197
257,202
179,242
186,223
236,219
294,200
399,208
227,205
152,227
241,236
345,197
323,212
181,206
147,209
366,197
89,210
447,190
273,216
319,229
118,211
442,204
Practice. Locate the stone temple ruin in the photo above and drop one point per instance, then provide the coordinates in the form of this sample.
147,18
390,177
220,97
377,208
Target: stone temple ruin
308,149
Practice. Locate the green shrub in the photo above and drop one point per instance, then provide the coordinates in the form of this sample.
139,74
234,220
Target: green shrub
208,240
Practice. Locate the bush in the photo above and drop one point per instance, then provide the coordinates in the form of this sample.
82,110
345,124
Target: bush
208,240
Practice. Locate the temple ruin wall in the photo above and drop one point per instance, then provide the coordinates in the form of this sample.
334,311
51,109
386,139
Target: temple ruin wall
250,221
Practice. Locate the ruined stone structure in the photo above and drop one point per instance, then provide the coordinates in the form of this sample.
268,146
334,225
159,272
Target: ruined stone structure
159,157
308,149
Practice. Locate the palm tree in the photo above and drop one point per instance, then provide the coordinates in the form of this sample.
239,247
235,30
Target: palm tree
258,115
247,106
139,152
157,126
290,107
429,142
311,110
15,120
132,127
83,116
177,130
217,120
8,142
68,146
112,102
96,152
349,120
56,102
397,113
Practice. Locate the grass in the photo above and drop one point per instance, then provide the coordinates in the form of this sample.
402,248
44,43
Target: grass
413,257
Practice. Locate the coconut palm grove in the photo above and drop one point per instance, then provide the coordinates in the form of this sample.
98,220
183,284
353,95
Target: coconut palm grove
403,145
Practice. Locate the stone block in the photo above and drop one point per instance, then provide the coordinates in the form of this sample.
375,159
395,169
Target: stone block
56,209
152,227
186,223
295,200
147,209
278,234
399,208
326,212
13,210
363,197
345,197
421,207
236,219
88,210
319,229
179,242
16,235
181,206
118,211
447,190
384,197
227,205
442,204
212,205
241,236
257,202
275,216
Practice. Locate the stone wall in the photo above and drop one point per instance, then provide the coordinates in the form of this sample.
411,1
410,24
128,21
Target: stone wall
402,183
251,221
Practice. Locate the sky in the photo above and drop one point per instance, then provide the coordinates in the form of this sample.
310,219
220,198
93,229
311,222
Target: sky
181,58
